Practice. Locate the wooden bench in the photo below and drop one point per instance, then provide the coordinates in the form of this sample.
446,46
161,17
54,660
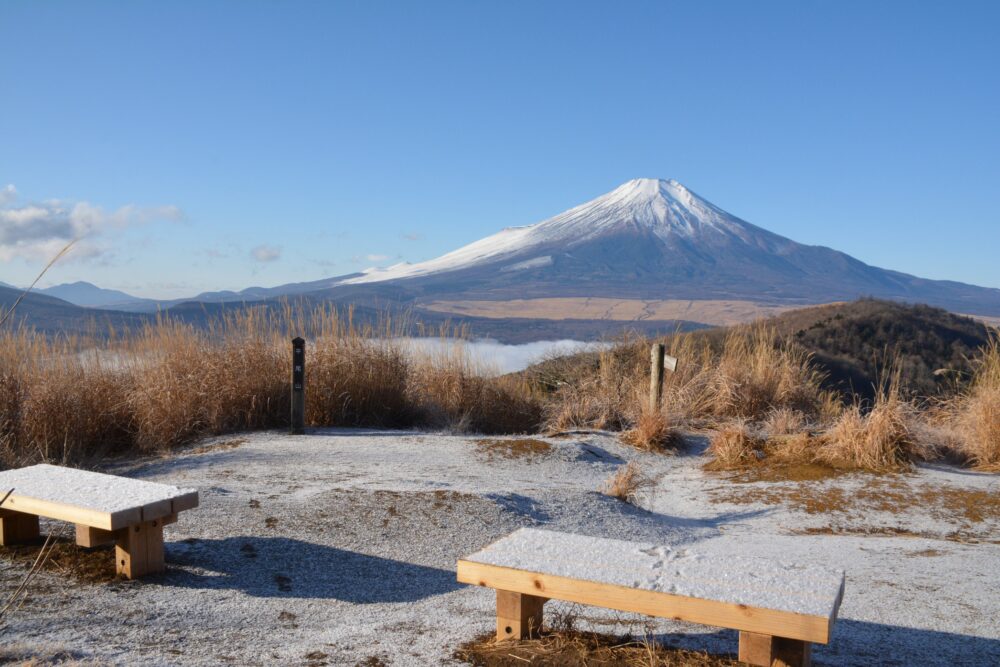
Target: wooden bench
105,508
779,609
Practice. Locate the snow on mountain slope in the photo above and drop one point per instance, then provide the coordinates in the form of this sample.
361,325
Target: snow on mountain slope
664,207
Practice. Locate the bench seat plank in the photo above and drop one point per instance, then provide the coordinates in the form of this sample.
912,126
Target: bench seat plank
753,595
105,502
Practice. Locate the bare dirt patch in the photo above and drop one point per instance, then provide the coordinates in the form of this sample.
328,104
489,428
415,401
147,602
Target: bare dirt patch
573,649
217,446
894,495
514,448
93,566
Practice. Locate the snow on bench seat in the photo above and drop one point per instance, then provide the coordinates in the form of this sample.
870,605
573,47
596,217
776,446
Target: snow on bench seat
759,596
106,502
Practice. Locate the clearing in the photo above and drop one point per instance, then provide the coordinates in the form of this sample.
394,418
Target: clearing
339,547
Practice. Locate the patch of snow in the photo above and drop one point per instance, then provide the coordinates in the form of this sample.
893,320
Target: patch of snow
756,582
82,488
534,263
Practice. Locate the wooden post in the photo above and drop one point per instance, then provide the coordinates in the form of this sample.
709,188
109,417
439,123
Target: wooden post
768,651
656,377
519,616
298,386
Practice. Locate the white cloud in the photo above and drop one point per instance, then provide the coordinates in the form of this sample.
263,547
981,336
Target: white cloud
266,253
376,258
412,236
37,231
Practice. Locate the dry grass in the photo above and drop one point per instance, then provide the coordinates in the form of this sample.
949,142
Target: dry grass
784,421
971,513
628,483
450,391
976,413
72,400
881,439
572,648
92,566
514,448
652,432
602,399
735,447
752,375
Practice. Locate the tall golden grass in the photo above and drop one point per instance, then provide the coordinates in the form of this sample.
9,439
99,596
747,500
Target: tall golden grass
752,375
976,412
72,400
879,440
880,437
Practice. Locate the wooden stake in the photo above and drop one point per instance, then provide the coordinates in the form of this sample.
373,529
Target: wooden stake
17,528
768,651
656,377
519,616
139,549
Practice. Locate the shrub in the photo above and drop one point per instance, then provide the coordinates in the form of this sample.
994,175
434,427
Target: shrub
628,482
652,431
735,446
879,440
976,413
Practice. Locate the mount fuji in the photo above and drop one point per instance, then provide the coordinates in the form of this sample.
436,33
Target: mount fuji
654,239
649,251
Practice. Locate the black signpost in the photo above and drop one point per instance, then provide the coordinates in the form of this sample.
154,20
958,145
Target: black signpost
298,386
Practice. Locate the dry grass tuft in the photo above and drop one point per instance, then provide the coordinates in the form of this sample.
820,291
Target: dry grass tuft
628,482
784,421
883,439
652,432
879,441
976,413
735,447
584,649
602,399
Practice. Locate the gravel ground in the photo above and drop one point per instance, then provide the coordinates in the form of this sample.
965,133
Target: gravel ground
339,547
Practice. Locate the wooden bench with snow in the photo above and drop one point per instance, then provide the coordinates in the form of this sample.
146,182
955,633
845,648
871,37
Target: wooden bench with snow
106,509
779,609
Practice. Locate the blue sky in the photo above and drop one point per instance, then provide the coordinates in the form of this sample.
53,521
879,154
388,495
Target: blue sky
218,145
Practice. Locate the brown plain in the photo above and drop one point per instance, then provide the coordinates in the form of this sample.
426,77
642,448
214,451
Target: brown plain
718,312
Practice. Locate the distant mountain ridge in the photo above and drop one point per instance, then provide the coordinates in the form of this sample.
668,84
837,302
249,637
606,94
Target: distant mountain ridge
647,244
88,295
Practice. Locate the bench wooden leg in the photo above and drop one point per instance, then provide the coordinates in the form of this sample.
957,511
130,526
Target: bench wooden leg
139,549
768,651
17,528
519,616
89,537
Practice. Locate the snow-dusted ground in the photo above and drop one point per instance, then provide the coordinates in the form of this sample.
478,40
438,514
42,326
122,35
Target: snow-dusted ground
341,545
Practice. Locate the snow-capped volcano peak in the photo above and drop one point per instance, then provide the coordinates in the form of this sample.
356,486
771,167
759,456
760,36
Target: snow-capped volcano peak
665,207
662,208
